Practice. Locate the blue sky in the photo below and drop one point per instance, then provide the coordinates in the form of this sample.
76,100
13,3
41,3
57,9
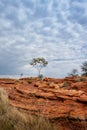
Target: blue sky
53,29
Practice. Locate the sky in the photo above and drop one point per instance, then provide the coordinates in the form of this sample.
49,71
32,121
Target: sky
53,29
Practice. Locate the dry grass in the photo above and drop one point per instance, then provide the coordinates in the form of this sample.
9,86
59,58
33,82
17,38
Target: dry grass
12,119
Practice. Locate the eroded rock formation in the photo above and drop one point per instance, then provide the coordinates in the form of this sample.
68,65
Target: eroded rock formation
56,99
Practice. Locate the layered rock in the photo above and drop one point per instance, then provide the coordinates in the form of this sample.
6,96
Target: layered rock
52,98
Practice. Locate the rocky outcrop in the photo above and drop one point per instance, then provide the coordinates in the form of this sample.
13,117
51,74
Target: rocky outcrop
53,98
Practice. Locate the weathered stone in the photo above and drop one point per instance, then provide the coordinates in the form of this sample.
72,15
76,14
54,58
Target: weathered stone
47,97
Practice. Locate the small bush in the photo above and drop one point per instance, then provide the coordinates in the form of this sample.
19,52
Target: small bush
40,76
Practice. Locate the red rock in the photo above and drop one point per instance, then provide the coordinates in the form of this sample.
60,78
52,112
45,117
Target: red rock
47,97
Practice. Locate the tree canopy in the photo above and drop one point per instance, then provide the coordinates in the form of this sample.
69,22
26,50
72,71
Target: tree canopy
39,63
84,68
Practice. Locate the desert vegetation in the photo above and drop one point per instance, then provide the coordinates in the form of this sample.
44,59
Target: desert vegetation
84,68
13,119
39,63
74,72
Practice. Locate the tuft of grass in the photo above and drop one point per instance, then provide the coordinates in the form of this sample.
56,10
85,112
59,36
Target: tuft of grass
13,119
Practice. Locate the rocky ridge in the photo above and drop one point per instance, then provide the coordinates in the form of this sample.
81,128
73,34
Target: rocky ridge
56,99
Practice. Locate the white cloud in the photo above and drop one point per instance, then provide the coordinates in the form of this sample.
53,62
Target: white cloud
49,29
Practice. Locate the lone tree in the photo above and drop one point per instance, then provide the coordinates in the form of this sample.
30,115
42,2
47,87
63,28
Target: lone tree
39,63
84,68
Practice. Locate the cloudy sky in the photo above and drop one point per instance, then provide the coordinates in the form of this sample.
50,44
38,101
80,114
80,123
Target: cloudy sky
53,29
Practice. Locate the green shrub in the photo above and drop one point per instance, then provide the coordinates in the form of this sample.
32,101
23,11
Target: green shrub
40,76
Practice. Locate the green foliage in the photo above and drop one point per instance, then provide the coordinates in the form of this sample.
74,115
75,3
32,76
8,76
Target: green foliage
40,76
38,63
84,68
